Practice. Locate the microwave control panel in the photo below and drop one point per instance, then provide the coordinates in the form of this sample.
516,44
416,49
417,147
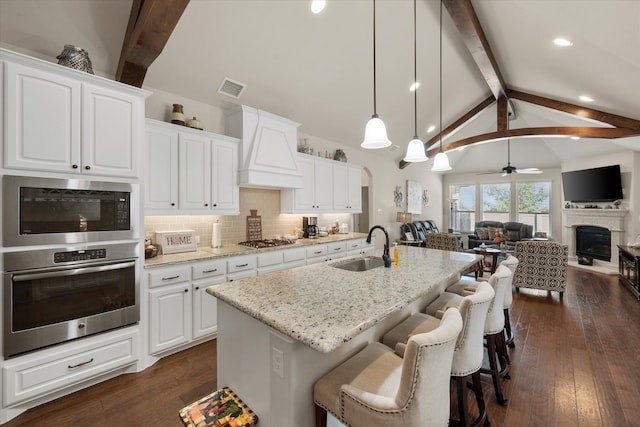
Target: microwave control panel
83,255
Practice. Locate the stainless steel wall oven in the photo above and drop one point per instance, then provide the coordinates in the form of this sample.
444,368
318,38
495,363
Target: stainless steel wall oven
55,295
42,211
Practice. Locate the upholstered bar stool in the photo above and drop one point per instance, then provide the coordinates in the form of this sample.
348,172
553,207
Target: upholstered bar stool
469,351
376,387
467,284
494,325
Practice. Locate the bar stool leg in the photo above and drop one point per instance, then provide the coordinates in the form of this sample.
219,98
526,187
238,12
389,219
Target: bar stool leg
507,329
321,417
493,368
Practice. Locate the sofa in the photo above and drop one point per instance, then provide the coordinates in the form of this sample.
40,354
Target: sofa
486,230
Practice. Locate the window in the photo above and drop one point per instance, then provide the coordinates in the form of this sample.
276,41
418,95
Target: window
462,200
496,202
534,205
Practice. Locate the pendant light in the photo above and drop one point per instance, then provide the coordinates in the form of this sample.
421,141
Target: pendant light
441,161
415,149
375,133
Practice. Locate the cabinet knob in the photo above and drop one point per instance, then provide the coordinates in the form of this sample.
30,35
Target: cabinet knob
215,204
186,290
206,204
74,166
87,167
197,288
173,204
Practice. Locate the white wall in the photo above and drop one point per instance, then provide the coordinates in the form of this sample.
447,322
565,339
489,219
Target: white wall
382,165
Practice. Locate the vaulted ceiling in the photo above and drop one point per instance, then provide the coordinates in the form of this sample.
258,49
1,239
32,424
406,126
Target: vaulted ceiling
317,69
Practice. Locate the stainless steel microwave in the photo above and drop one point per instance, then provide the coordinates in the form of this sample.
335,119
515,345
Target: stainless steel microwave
40,211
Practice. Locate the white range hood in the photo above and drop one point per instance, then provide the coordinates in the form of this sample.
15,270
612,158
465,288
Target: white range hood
268,148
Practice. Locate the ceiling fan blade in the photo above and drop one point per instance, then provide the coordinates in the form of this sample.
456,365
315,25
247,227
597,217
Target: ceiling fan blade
528,170
488,173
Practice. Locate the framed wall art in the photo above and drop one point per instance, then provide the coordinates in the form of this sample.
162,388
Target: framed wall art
414,197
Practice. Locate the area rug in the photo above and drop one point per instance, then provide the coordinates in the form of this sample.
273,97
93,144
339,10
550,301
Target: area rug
222,408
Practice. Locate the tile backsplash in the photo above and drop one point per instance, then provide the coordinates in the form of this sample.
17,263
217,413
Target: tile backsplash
234,227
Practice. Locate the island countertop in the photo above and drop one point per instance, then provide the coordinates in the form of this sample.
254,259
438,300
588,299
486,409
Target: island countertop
323,307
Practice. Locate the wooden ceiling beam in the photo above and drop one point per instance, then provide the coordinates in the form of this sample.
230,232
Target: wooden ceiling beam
541,132
576,110
151,23
466,21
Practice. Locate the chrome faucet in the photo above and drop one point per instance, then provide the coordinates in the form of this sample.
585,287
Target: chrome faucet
385,255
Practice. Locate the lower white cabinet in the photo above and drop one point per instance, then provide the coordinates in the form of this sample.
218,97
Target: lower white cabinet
169,317
37,374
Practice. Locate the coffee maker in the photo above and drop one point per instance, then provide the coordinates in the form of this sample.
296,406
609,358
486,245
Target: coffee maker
310,227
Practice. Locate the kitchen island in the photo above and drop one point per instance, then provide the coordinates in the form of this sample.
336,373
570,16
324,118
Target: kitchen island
278,333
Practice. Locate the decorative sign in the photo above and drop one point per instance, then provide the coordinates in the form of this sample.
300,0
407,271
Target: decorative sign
173,242
254,226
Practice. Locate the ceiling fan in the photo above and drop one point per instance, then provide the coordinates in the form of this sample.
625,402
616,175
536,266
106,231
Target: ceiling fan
508,170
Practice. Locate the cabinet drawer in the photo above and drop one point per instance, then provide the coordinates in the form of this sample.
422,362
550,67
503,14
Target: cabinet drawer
168,276
241,263
241,275
295,254
209,269
51,370
316,251
269,258
355,244
337,248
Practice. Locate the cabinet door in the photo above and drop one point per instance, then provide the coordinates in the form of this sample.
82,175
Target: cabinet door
205,308
43,120
169,317
224,181
304,198
324,186
354,201
161,153
194,171
340,187
111,132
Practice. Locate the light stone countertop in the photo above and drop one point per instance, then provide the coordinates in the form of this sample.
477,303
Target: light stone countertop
204,253
323,307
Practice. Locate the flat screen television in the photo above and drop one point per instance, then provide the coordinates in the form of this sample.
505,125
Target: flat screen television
593,185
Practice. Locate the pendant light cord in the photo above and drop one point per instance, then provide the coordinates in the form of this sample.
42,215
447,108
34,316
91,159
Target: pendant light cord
441,76
415,75
375,111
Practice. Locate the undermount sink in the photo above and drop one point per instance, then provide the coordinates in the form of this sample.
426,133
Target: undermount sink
360,264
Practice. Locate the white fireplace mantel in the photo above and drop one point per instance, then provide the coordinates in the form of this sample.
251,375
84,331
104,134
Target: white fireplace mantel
612,219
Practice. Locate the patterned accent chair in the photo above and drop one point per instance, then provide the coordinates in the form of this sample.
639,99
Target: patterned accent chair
443,241
543,265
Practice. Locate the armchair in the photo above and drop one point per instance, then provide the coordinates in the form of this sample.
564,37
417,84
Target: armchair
543,265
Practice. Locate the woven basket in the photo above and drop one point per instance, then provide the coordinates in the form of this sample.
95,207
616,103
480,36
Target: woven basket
76,58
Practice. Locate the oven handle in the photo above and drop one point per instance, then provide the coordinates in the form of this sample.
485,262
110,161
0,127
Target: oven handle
74,271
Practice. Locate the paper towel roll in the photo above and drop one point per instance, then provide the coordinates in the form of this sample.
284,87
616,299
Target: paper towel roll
216,235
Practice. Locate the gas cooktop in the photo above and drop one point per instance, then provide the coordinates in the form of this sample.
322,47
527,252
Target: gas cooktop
267,243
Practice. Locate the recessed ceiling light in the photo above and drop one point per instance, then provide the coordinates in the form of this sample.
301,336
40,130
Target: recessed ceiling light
317,6
586,98
461,148
562,42
431,129
414,86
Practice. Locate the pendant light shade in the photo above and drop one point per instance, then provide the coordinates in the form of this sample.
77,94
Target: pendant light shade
441,161
415,149
375,133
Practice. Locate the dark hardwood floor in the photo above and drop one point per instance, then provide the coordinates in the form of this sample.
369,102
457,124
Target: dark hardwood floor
576,363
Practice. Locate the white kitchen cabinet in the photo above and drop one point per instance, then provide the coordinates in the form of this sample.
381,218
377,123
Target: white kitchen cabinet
205,307
48,371
194,171
161,150
316,254
347,191
241,267
190,171
66,121
316,195
336,250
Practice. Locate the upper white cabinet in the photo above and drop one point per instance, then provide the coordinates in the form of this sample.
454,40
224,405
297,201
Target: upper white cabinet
328,186
347,191
67,121
267,148
190,171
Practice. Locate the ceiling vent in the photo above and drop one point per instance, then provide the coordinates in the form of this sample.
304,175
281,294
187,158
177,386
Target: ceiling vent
393,148
231,88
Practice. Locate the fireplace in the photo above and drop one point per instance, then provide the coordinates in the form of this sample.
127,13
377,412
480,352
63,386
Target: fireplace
593,242
612,220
